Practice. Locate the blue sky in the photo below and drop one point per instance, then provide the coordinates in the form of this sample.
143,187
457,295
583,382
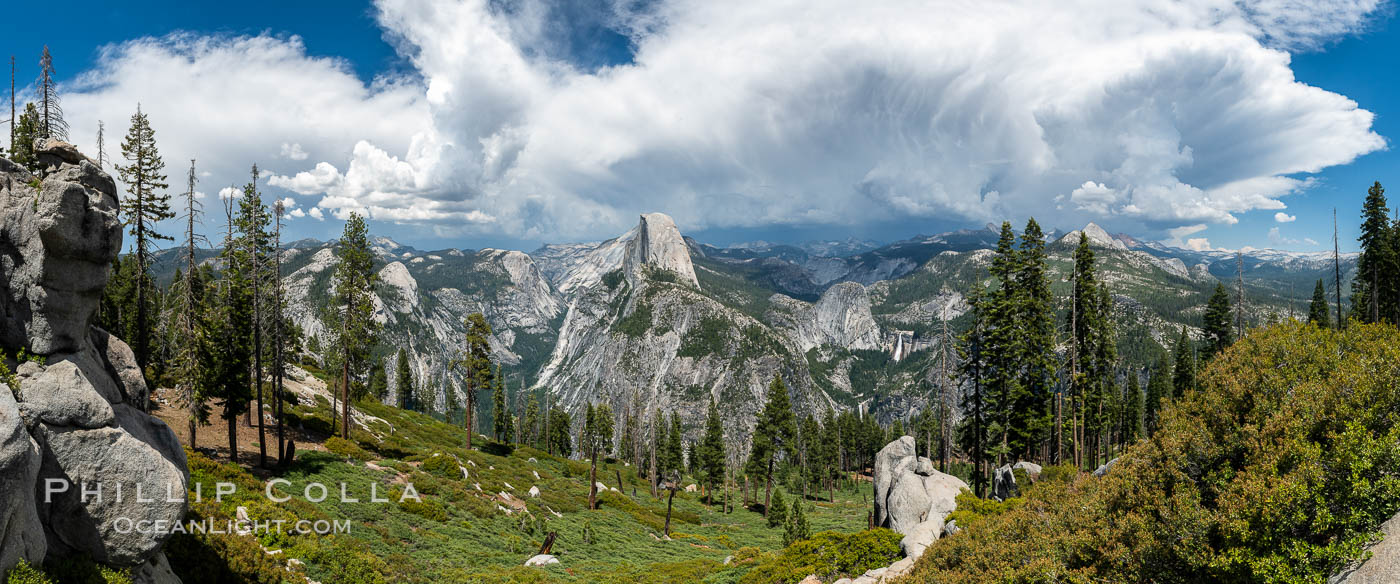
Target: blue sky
510,123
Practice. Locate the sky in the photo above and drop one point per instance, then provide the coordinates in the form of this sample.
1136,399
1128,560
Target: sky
509,123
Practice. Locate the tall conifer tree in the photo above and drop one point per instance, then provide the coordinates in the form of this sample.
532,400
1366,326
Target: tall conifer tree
1030,420
773,438
1317,310
711,451
147,204
1184,370
475,363
1217,329
353,312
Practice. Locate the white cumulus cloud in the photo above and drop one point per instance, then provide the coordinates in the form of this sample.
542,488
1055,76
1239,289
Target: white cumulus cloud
1152,113
1282,217
293,151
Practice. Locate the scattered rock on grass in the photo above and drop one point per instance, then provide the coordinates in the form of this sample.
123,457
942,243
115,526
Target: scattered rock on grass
542,560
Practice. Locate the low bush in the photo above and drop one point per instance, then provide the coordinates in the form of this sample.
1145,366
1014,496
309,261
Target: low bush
829,555
973,509
23,573
1278,468
347,448
443,466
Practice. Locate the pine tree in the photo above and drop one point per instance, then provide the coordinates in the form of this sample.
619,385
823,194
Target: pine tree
353,313
1132,408
378,381
256,247
710,452
530,422
1003,344
451,408
228,351
1317,310
973,432
1083,346
675,449
1184,371
1217,329
403,382
772,438
597,439
500,412
189,368
557,441
26,131
627,440
285,336
1104,390
1159,389
146,205
775,510
831,453
475,363
1372,291
797,528
51,122
1035,317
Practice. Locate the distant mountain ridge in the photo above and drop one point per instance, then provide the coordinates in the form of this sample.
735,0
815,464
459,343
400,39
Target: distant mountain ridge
657,318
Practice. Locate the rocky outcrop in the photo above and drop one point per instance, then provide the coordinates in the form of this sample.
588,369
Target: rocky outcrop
657,243
840,318
75,427
21,534
56,246
1097,238
911,496
1004,483
1105,468
1383,567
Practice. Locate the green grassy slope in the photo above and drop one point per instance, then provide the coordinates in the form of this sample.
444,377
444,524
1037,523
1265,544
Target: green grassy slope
461,534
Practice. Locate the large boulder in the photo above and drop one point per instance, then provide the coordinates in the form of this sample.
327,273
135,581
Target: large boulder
911,496
1031,469
82,465
1105,468
136,459
21,534
1003,483
885,462
1383,567
57,243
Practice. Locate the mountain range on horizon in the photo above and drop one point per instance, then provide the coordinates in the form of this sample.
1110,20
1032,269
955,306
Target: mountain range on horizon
653,316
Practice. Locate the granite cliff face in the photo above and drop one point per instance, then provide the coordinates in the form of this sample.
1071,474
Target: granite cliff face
656,242
77,415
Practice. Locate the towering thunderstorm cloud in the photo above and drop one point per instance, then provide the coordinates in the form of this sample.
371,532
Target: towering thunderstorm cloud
1157,113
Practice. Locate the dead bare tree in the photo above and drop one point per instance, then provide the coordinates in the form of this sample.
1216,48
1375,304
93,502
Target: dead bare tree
51,122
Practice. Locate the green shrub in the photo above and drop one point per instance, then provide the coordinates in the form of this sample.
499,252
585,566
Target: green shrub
972,509
829,555
443,466
637,323
347,561
23,573
1279,467
709,337
1059,473
424,509
347,448
612,279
